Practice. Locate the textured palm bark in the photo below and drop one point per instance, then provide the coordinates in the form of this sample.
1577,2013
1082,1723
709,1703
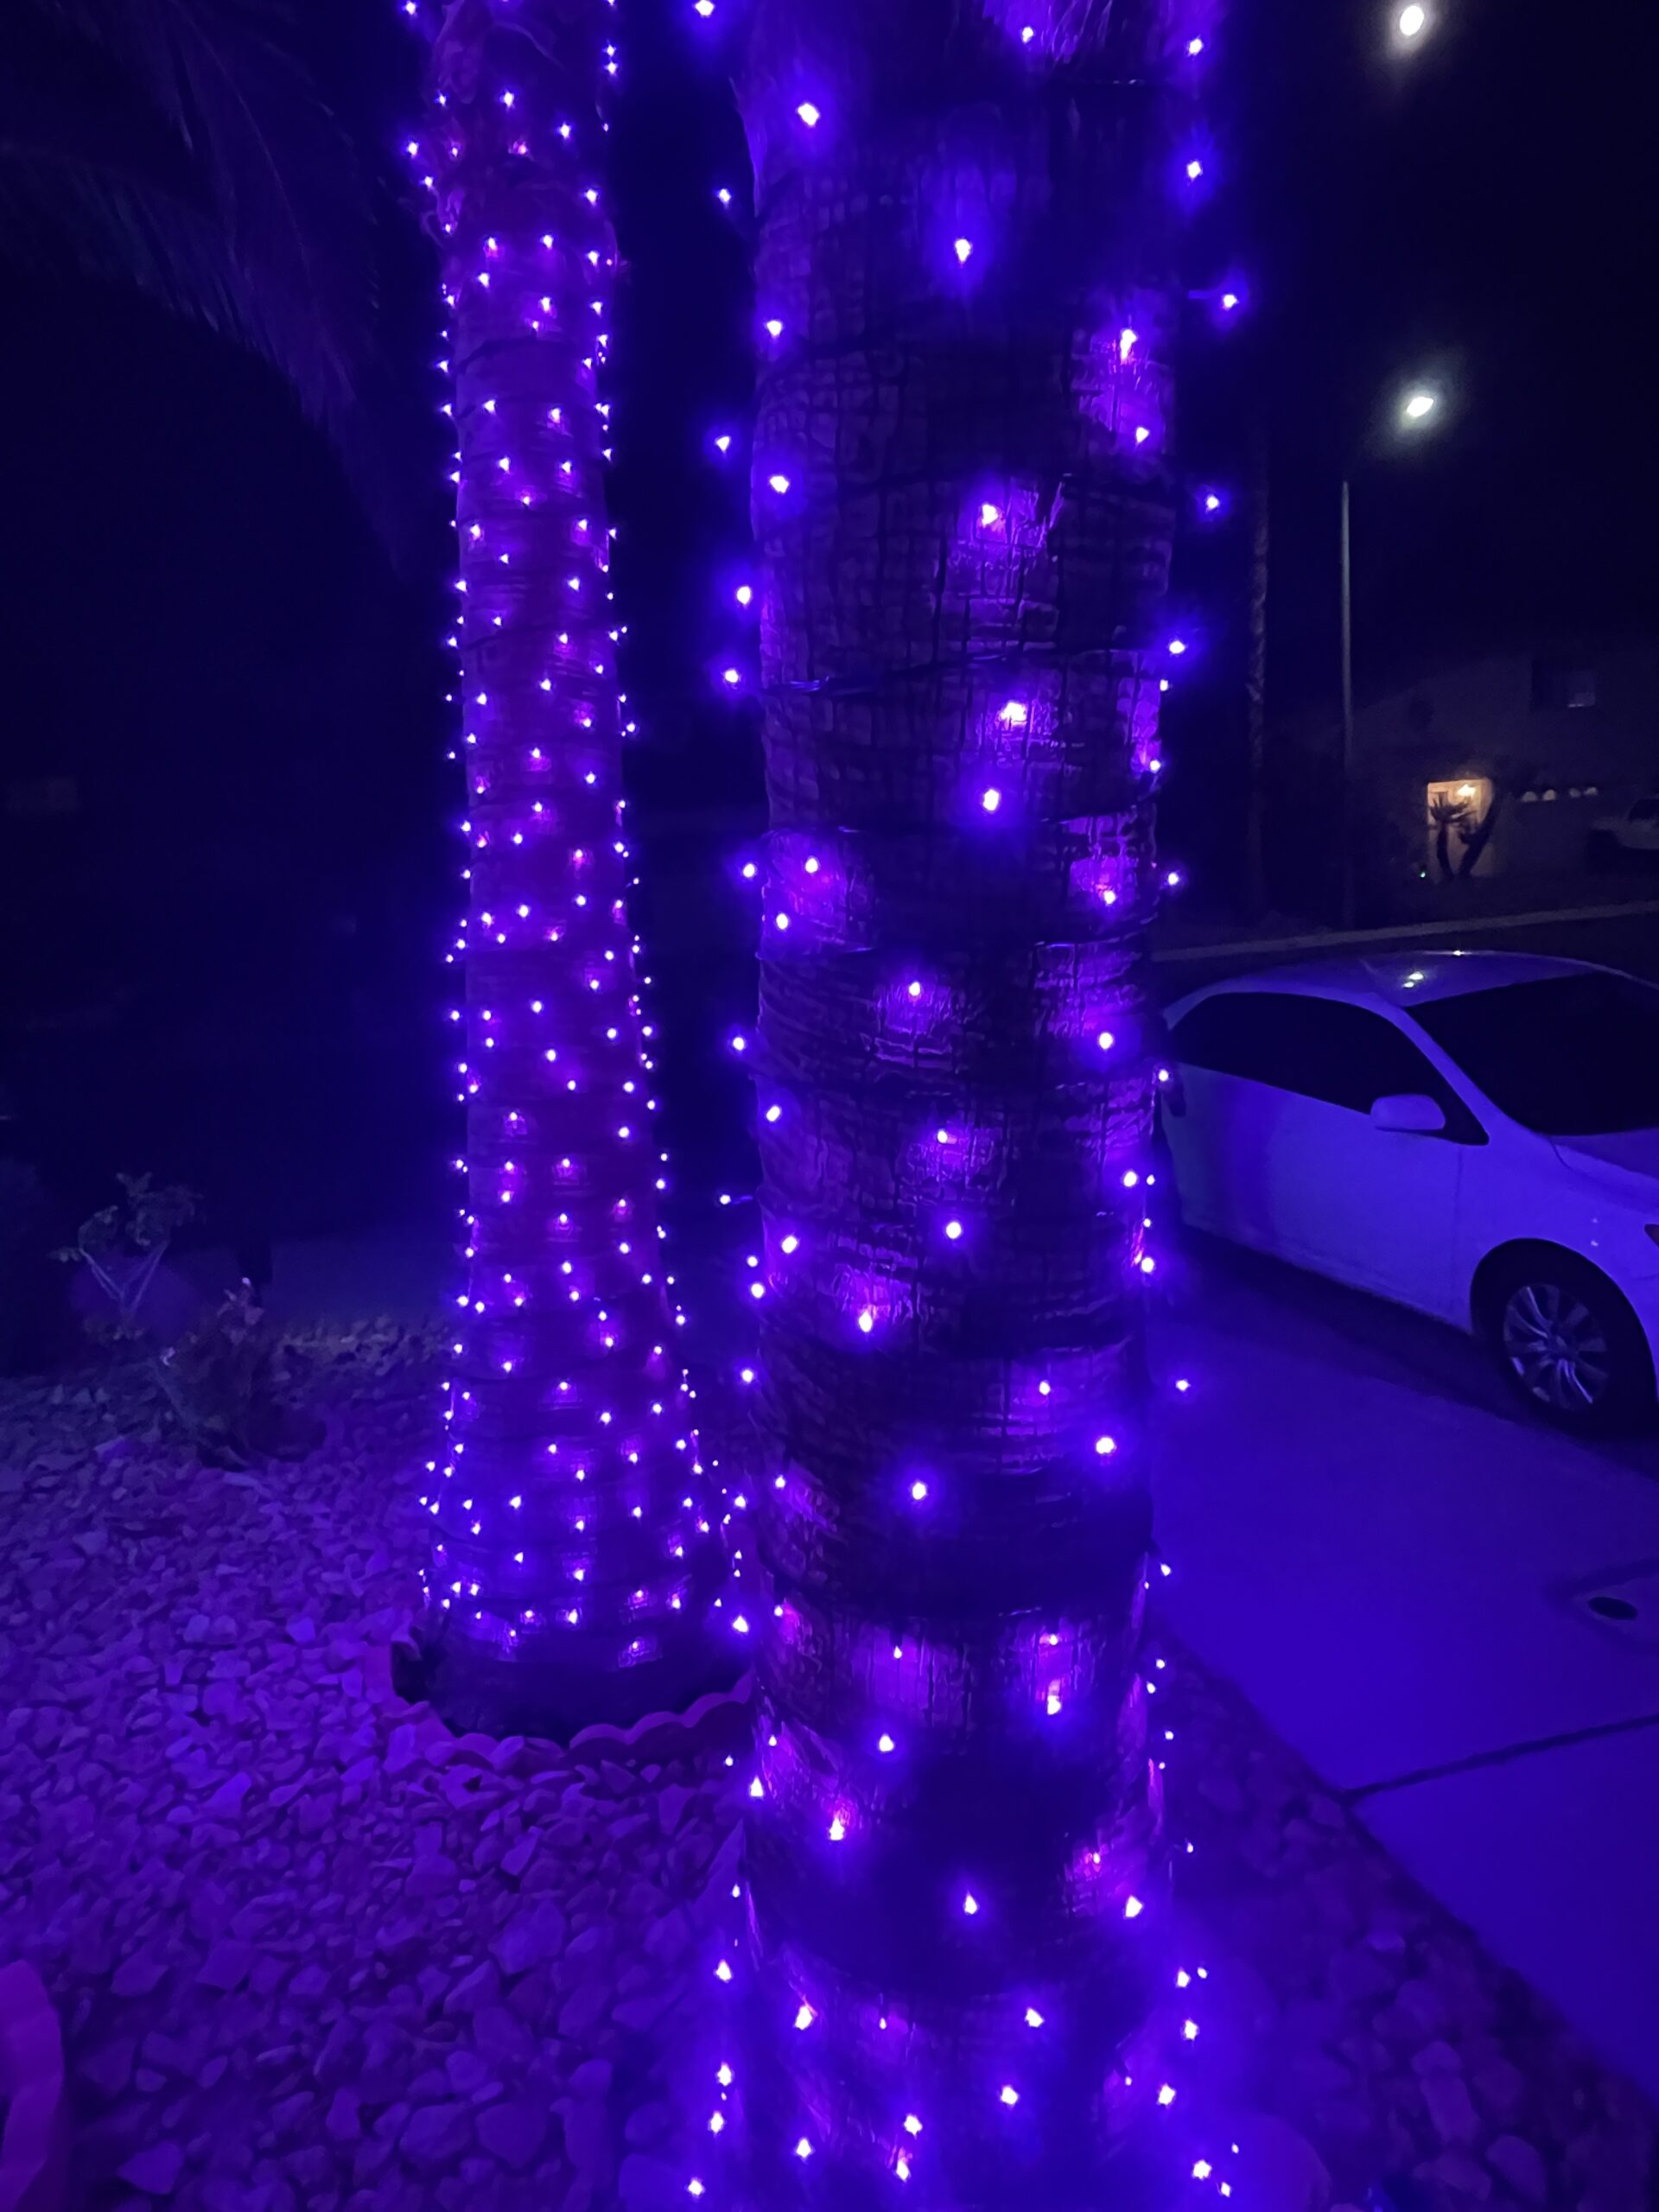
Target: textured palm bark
954,1851
573,1562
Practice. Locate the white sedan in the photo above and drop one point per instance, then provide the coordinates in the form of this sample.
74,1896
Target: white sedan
1473,1134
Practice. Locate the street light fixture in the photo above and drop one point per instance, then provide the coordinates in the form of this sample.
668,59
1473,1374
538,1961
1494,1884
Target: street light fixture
1417,405
1412,22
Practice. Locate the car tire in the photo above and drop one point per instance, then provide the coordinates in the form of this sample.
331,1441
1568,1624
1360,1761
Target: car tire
1567,1343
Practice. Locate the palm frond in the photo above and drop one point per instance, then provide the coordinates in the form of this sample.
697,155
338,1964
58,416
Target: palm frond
187,148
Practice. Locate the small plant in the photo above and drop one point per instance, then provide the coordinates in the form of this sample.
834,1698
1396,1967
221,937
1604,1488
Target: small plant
122,1246
227,1382
226,1377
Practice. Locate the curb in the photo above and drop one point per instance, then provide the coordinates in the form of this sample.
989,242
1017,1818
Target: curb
719,1721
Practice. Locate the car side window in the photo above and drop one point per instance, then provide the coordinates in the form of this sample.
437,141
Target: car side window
1350,1057
1219,1033
1318,1048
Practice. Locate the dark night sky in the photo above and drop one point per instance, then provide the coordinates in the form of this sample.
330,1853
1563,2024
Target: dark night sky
200,629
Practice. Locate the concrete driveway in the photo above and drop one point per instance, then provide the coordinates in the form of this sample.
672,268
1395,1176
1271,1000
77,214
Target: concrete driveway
1451,1612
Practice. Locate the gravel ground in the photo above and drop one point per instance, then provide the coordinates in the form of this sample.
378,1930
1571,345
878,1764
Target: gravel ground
1347,2003
309,1951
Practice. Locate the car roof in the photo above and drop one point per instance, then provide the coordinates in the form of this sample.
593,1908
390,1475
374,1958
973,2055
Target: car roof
1399,979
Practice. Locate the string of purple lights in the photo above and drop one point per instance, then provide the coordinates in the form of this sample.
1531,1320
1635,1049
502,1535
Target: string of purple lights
574,1558
912,2014
918,1997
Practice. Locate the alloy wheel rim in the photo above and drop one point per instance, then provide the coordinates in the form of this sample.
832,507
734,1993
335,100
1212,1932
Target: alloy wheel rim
1556,1347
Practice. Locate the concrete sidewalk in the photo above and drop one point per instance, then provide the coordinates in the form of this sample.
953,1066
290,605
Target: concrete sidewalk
1401,1583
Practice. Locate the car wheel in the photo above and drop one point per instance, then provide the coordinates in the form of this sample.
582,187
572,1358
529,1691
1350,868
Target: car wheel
1569,1344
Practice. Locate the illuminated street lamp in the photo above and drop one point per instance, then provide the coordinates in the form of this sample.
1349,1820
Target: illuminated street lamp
1418,406
1411,22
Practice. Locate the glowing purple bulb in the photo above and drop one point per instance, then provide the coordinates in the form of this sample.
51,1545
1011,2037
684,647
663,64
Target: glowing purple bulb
963,248
989,514
953,1230
918,1490
1229,302
1177,646
990,800
809,115
1194,170
1194,47
778,483
1106,1041
744,594
773,326
730,675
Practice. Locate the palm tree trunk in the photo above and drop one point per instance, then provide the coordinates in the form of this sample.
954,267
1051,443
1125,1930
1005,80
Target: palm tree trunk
954,1851
573,1562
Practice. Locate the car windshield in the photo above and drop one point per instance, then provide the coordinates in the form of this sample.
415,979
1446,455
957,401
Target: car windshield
1569,1056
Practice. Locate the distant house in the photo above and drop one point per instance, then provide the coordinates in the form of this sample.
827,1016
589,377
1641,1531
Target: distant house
1494,766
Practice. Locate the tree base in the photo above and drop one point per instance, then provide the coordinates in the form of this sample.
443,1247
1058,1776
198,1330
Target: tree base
688,1701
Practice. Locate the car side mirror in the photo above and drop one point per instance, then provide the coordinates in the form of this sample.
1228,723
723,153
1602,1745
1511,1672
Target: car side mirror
1409,1114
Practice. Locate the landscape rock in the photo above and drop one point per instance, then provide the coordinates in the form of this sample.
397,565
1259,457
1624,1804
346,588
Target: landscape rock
226,1966
138,1973
1518,2164
342,2119
513,2132
435,2136
1451,2109
533,1934
155,2169
646,2185
1278,2169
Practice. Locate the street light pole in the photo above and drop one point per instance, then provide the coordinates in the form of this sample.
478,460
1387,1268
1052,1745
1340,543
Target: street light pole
1345,830
1420,405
